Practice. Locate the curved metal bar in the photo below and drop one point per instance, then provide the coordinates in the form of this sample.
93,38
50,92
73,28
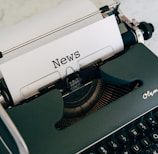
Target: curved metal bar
22,147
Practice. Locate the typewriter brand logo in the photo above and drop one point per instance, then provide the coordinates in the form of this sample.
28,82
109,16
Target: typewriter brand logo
150,93
64,60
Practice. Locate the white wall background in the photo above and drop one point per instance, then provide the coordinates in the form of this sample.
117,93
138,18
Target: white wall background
13,11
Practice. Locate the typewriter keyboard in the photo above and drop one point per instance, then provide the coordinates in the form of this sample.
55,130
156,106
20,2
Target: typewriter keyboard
138,137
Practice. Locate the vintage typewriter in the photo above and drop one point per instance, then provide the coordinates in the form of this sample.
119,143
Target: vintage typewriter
78,80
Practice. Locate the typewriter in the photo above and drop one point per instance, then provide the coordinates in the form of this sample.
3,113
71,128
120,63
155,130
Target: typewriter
78,79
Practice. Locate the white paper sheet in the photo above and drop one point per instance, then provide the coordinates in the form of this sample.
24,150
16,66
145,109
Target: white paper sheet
26,74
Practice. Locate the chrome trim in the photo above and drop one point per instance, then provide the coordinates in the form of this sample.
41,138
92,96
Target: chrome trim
22,147
5,145
133,25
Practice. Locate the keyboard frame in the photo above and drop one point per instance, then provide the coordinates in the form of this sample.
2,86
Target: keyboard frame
36,119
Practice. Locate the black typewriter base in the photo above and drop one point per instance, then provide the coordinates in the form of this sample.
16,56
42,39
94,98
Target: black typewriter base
36,120
104,94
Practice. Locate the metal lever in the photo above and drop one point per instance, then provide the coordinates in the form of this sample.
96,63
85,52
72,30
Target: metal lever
22,147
